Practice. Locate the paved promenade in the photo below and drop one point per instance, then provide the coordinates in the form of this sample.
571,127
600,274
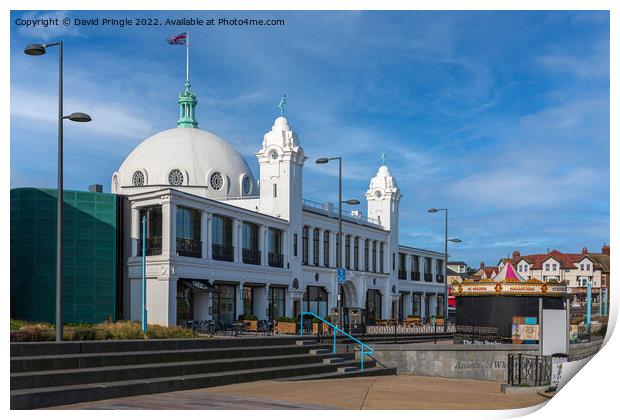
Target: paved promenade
383,392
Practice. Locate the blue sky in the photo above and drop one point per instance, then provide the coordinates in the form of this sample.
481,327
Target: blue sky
503,117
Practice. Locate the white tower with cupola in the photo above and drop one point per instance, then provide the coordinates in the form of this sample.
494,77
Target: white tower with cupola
383,198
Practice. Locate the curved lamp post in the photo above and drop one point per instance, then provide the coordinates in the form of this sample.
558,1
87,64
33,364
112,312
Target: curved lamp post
445,264
322,161
40,49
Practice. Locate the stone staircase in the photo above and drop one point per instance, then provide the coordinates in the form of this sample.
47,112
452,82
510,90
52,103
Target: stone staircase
50,374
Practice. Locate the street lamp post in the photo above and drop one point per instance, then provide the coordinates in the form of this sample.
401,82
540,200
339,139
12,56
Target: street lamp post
40,49
322,161
445,263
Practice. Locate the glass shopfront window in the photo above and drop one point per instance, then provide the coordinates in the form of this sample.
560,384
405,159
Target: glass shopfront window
373,305
304,245
153,230
315,246
326,248
417,305
366,255
315,300
347,252
248,301
276,302
222,238
225,298
188,232
185,303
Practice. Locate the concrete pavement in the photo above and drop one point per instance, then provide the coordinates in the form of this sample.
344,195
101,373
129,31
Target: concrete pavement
403,392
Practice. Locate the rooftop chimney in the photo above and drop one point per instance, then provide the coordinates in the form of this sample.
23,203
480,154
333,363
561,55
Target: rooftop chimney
95,188
515,255
584,250
605,249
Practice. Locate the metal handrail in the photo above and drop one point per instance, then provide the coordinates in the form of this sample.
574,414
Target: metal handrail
336,329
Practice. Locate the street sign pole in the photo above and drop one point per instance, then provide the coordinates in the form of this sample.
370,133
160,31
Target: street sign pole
144,320
589,306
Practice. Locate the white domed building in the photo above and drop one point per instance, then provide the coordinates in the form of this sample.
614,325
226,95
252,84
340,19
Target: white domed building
220,244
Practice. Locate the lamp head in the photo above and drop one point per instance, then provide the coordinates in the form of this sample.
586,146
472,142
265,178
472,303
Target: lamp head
35,49
321,161
455,240
79,117
352,202
433,210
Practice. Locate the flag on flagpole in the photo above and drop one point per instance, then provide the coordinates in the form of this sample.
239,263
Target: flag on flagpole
180,39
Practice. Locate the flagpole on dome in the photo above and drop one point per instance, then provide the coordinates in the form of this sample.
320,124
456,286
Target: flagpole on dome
187,58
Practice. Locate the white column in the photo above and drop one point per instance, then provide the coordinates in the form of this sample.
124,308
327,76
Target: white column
135,231
204,232
321,249
262,245
260,302
201,306
235,238
332,248
239,301
169,225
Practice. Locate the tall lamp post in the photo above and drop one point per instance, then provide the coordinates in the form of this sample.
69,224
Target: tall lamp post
40,49
322,161
445,264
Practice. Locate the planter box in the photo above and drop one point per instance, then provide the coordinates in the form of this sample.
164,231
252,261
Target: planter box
285,327
439,322
252,325
315,328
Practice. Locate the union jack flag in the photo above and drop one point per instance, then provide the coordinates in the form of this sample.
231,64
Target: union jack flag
180,39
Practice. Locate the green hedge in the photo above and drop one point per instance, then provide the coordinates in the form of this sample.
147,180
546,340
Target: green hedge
121,330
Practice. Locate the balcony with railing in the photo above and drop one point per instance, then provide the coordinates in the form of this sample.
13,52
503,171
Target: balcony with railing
332,210
189,248
223,252
275,260
153,246
402,274
415,275
428,277
251,256
440,278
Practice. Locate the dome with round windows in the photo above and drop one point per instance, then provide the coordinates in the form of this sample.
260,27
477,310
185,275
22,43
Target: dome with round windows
189,159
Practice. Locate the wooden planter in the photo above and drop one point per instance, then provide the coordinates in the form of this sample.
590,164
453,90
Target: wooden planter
252,325
315,328
285,327
439,322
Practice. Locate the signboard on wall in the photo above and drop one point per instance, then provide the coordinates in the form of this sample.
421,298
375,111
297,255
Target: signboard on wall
554,332
525,332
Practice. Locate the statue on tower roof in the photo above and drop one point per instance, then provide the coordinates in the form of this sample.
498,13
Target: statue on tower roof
282,105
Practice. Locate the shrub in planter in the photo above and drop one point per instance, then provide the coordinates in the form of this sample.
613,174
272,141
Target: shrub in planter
285,325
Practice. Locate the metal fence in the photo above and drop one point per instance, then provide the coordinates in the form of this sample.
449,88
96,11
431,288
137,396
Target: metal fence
529,370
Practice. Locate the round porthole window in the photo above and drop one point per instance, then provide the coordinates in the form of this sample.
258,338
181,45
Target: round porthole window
216,180
137,179
175,177
246,185
378,194
274,154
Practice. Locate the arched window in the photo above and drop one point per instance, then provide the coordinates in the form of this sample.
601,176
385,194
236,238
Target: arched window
216,180
137,179
175,177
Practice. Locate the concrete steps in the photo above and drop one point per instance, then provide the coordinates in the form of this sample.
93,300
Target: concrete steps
49,374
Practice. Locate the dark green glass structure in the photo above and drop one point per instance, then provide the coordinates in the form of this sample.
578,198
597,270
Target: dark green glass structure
91,255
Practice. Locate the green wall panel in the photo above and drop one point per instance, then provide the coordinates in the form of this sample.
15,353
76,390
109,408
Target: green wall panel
90,265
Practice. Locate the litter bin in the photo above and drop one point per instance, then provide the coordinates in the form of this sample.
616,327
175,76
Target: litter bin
557,360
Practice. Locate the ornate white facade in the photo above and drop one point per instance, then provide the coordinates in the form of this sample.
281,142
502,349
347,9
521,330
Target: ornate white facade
266,250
